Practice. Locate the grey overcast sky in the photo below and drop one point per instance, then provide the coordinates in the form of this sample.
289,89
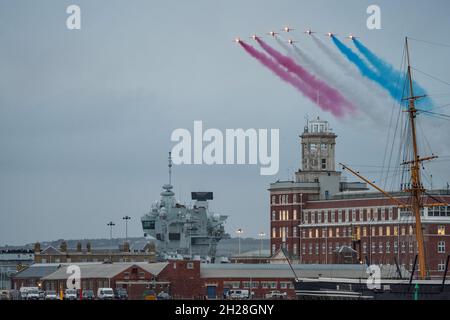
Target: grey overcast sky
86,115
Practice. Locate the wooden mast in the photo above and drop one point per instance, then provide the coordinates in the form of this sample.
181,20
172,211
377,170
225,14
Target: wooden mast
416,185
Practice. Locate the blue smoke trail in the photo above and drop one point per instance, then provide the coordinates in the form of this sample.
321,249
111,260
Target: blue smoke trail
394,88
389,73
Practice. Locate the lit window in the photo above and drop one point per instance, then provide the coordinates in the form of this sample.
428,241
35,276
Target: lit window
294,215
395,231
337,232
380,231
441,230
388,230
411,230
364,231
330,233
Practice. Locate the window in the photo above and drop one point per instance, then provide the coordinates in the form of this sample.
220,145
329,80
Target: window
324,248
403,231
337,232
273,215
294,232
395,247
373,247
372,231
403,247
380,247
395,231
411,247
319,217
274,232
388,231
274,248
353,214
346,216
364,231
441,230
411,230
317,248
388,247
295,249
333,213
330,233
380,231
324,233
324,164
391,213
303,248
441,266
273,200
441,247
142,274
294,215
190,265
340,216
364,247
284,285
310,248
323,146
232,284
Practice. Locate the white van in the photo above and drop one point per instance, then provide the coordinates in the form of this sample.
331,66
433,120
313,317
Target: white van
238,294
105,294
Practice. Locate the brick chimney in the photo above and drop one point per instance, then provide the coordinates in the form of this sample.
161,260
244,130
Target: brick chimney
37,247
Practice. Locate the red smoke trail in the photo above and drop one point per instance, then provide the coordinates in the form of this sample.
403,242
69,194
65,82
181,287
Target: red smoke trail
307,90
333,99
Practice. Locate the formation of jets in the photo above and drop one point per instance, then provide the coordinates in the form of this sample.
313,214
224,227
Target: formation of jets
291,41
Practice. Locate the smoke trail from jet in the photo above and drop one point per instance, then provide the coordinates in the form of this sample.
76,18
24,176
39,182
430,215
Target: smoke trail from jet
372,98
297,83
337,59
389,73
394,89
331,95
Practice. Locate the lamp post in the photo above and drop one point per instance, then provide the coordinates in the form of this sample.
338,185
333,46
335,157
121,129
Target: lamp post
261,237
126,218
239,232
110,225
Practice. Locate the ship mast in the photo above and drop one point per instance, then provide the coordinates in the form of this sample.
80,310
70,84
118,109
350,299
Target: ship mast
416,185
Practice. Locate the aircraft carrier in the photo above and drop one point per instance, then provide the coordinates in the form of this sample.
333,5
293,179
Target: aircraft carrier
180,231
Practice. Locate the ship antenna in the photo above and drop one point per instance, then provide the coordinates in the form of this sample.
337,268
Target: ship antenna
170,168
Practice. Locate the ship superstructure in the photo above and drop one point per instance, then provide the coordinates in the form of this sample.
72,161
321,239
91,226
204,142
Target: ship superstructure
180,230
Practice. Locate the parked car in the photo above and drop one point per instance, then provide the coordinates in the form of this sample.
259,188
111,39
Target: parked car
105,294
70,294
163,296
25,290
149,295
120,294
5,295
238,294
88,295
33,294
276,295
51,295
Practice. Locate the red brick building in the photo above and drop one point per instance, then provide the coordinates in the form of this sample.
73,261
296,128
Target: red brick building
320,212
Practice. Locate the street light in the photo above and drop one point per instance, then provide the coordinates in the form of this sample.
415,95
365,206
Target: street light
110,225
239,232
126,218
261,236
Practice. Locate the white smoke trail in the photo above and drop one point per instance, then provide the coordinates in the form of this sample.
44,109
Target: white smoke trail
353,90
